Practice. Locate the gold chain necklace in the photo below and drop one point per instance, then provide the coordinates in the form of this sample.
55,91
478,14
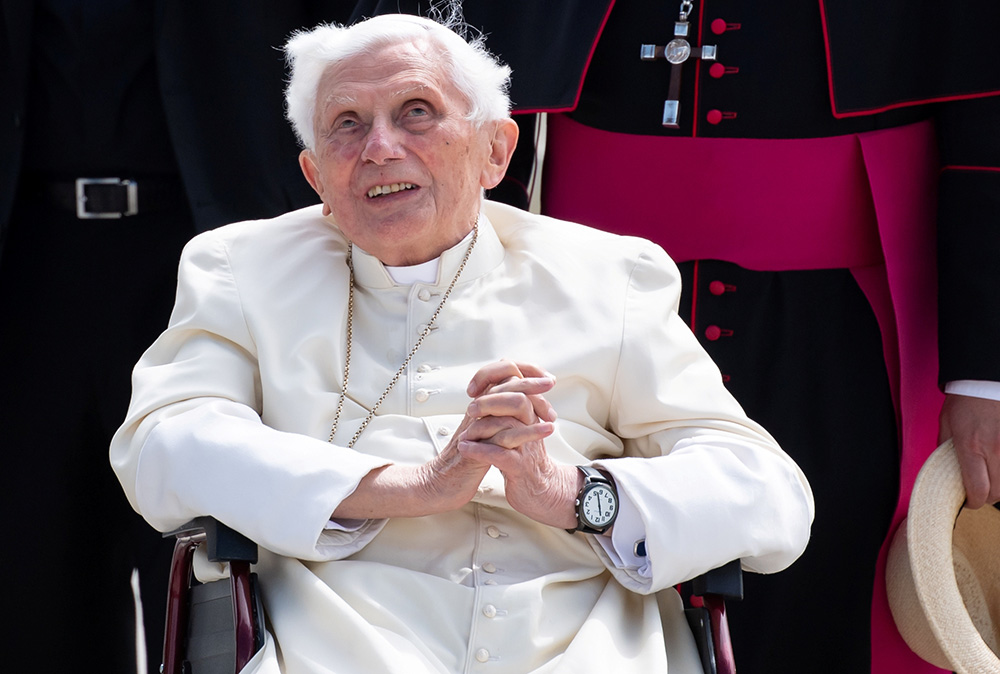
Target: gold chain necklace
402,368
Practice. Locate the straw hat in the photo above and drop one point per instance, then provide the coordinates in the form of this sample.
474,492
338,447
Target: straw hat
943,572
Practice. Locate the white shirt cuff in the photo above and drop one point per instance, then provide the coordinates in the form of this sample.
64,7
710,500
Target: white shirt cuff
626,534
974,388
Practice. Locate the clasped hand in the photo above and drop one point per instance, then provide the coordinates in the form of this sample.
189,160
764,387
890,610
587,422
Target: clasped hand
509,421
505,425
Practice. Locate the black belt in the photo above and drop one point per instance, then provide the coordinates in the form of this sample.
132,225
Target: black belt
106,198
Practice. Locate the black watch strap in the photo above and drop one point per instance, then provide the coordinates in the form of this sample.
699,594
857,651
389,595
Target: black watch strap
591,475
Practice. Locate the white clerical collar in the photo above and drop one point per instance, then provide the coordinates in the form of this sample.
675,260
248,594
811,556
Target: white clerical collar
425,272
370,273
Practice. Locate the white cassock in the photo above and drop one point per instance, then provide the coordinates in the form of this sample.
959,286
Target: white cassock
233,404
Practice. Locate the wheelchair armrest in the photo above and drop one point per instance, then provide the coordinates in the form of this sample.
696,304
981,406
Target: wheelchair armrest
222,544
725,581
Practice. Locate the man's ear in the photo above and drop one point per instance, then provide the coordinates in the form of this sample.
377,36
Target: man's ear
307,162
501,149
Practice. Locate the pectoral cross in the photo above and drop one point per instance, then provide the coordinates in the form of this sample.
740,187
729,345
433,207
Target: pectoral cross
677,51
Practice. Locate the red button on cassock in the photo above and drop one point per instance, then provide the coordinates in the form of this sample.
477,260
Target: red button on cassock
720,26
714,332
714,116
718,288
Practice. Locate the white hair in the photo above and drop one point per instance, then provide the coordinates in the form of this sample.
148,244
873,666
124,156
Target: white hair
476,73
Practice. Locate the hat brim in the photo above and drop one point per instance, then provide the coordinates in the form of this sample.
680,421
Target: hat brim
924,593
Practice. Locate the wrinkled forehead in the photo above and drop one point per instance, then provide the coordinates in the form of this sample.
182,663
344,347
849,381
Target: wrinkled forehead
393,68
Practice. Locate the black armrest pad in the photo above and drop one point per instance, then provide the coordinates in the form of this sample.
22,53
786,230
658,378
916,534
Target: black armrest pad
223,544
727,581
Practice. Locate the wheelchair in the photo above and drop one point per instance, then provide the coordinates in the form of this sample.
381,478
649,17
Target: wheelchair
217,627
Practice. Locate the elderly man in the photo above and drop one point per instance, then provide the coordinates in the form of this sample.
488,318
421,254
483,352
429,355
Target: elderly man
358,387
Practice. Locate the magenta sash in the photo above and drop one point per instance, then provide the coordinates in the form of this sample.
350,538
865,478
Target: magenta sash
866,202
763,204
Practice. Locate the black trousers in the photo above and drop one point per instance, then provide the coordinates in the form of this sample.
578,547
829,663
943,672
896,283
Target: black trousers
79,302
802,352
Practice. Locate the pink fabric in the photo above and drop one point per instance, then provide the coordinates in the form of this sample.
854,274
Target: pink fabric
902,169
865,202
764,204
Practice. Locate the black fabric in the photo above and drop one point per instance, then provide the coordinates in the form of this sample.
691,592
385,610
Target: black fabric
969,253
558,34
801,352
79,302
188,100
881,55
778,49
947,51
16,18
969,240
94,99
516,187
221,74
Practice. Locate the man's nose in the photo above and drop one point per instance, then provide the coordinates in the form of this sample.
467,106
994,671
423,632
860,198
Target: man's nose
382,144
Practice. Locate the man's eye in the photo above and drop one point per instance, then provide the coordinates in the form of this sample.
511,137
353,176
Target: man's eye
417,112
347,124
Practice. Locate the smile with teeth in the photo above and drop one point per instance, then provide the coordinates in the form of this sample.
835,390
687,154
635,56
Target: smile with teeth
379,190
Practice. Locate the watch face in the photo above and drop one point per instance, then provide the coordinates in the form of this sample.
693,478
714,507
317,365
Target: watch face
598,506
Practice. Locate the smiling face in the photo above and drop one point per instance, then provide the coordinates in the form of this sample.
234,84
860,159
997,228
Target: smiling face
396,162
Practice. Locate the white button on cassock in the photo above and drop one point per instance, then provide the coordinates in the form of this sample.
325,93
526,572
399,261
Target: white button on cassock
489,567
490,611
422,395
482,655
492,532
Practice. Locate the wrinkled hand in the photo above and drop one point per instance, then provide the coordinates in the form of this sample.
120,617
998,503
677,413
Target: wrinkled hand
452,478
512,421
974,426
504,425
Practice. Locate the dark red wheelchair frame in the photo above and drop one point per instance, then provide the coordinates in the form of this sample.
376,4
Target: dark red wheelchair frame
222,545
705,612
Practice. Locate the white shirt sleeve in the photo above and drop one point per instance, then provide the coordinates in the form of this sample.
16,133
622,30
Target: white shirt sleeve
706,484
626,535
974,388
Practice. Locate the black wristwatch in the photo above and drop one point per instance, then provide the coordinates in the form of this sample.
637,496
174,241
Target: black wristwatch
597,502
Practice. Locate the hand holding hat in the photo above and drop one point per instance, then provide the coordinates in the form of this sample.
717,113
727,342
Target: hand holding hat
943,572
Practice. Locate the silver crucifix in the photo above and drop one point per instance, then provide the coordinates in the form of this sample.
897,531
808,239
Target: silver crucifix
677,51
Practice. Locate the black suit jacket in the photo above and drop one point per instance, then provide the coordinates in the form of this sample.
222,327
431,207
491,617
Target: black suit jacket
221,77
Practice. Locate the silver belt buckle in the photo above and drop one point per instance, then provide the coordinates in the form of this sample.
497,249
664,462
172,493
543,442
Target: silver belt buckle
131,195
